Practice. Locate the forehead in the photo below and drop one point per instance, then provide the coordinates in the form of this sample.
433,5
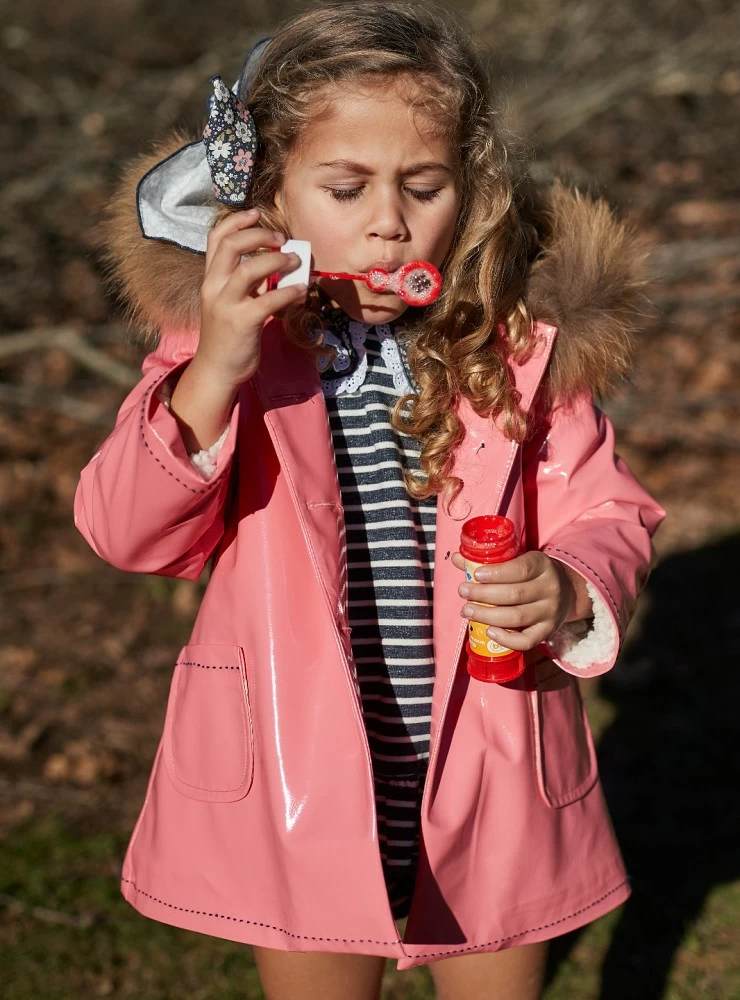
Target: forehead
371,120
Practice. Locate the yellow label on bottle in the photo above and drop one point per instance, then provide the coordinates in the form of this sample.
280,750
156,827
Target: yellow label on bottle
480,643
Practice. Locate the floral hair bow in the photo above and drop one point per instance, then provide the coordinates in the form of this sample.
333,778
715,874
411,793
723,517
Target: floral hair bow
231,144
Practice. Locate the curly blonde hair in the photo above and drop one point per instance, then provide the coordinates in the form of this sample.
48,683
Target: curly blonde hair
463,342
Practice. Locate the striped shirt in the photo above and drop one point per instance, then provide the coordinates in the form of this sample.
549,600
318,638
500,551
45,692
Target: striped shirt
389,577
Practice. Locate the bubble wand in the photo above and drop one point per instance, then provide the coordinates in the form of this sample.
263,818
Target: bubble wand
417,283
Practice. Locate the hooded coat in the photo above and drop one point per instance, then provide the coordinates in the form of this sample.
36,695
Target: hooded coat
259,821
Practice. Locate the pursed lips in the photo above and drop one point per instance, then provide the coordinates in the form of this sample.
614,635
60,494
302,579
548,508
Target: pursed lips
386,265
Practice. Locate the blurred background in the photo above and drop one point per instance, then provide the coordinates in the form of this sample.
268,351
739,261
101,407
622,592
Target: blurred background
636,100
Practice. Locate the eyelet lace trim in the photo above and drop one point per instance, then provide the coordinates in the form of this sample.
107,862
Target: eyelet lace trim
352,382
389,351
391,354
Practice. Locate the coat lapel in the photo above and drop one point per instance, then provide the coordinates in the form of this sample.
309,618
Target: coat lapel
289,387
484,461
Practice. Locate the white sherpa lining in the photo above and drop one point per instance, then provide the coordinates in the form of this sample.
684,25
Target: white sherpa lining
581,646
205,460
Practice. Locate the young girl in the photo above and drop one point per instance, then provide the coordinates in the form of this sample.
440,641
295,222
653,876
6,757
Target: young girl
328,767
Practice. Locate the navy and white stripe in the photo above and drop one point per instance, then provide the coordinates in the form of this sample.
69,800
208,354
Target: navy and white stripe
389,545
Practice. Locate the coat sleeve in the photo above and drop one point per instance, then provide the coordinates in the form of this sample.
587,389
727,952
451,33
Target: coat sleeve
140,502
585,508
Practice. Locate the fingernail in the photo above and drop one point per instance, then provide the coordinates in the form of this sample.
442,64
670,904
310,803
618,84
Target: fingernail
279,237
467,611
463,590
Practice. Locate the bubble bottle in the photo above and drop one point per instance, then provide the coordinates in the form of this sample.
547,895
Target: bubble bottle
485,540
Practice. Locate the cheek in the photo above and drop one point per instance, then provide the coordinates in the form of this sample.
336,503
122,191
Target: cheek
328,232
439,233
448,220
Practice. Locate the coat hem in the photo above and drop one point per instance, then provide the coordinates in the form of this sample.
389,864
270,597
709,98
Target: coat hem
586,914
270,935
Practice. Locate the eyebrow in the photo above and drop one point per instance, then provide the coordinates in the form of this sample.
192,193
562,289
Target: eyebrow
360,168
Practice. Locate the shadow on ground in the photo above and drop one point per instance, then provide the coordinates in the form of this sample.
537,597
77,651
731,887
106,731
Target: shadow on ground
670,762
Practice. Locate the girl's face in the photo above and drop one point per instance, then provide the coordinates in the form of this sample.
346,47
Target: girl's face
368,184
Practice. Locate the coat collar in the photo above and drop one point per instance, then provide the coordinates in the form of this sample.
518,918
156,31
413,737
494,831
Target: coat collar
289,387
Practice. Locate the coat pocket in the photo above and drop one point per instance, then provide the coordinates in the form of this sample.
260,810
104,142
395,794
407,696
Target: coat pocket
565,757
208,742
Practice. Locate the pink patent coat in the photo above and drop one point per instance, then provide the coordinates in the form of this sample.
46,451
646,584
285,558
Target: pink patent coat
259,822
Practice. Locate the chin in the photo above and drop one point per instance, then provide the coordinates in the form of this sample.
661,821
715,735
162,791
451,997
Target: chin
378,307
377,312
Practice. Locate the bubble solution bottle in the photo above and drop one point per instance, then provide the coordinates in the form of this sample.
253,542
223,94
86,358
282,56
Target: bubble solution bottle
485,540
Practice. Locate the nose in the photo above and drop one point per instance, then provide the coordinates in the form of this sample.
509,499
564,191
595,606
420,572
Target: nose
386,219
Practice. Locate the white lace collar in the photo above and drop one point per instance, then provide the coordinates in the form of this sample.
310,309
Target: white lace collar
350,363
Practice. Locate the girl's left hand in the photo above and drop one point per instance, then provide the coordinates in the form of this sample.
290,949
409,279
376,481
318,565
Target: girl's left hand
532,593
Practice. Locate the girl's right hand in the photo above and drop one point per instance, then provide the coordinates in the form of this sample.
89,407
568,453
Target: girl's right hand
234,301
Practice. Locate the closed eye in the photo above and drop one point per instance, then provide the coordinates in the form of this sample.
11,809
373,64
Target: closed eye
351,194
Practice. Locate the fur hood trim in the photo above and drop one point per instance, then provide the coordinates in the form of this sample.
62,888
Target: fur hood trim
586,280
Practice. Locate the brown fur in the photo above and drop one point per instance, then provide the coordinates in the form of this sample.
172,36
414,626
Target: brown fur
156,282
584,280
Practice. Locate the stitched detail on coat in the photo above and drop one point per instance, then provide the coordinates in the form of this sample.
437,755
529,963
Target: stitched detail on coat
256,923
208,666
548,677
426,954
564,552
205,487
531,930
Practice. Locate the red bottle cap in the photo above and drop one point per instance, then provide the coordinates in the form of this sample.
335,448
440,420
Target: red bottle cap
489,538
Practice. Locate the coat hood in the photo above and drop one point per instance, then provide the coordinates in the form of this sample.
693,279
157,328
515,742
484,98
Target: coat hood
585,279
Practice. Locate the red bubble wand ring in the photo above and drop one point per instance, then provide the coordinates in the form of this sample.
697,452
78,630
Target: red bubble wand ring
417,283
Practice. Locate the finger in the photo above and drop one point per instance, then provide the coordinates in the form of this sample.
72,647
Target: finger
250,273
485,573
525,567
503,593
234,222
232,246
272,303
521,616
239,248
522,641
457,560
